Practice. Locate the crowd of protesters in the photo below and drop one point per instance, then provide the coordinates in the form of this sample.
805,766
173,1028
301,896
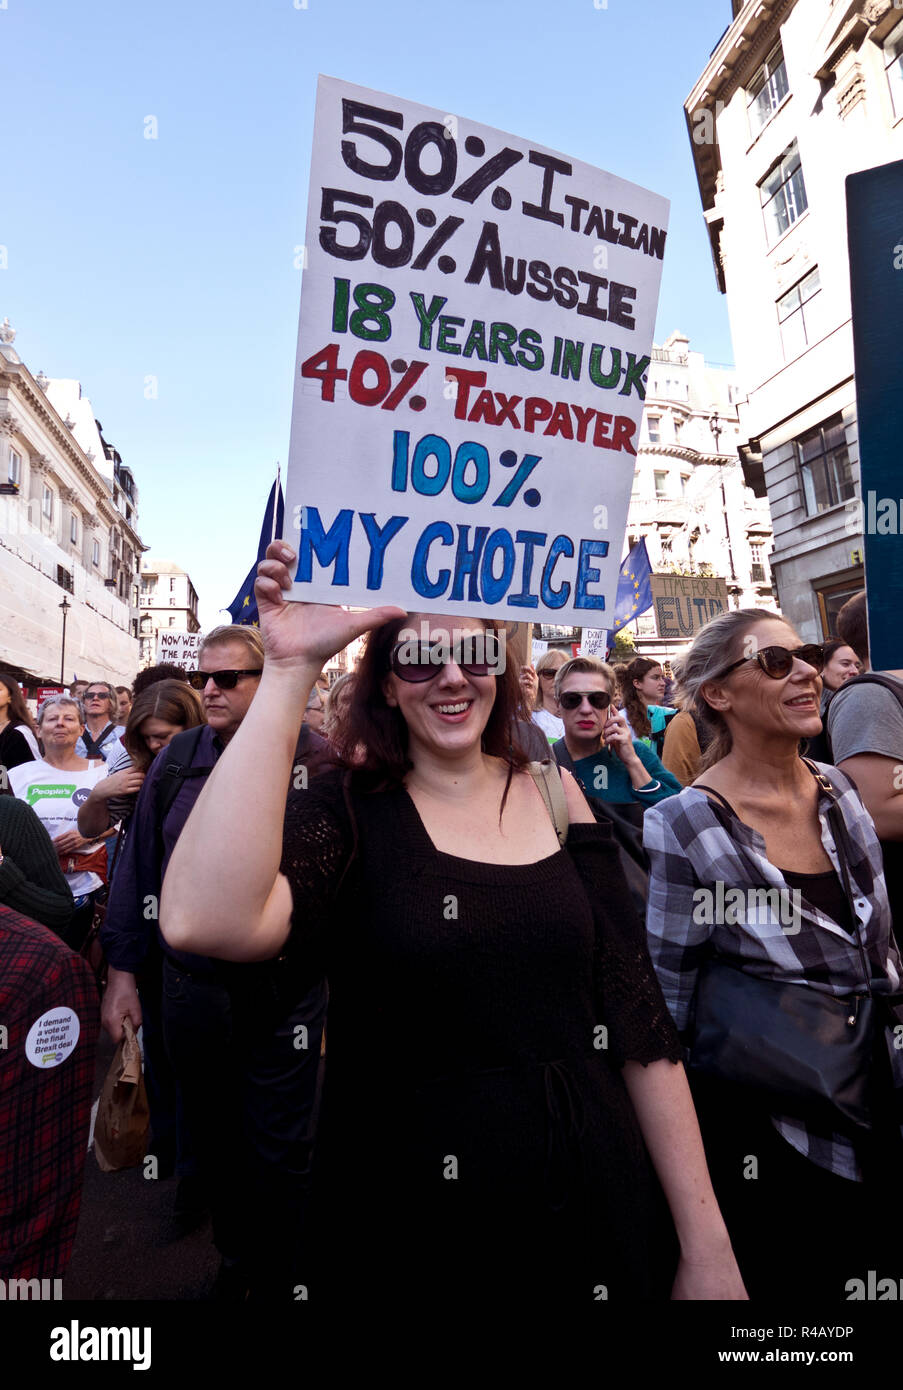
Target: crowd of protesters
520,1088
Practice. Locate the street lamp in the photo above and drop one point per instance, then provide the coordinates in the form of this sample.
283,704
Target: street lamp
716,427
65,605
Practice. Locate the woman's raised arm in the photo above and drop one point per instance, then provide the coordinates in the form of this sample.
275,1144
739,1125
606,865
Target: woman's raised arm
223,894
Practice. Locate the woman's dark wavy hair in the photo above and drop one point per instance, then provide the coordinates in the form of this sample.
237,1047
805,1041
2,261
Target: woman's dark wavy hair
631,701
369,721
18,710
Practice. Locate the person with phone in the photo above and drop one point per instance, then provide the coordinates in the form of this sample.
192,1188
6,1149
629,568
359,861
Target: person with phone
610,764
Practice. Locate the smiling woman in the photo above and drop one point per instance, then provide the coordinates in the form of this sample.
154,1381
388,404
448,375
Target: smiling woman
824,1141
496,968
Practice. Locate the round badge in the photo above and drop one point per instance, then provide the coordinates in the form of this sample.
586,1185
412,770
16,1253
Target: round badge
52,1037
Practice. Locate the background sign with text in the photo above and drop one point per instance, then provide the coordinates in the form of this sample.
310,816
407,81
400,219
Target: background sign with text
179,648
683,604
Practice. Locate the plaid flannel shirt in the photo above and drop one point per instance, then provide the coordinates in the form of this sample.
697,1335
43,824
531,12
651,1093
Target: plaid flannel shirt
693,843
45,1109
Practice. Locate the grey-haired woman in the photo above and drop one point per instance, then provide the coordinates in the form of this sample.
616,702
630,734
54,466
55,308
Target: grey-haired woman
770,865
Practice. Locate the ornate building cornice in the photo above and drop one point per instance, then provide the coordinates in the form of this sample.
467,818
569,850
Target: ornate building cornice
34,400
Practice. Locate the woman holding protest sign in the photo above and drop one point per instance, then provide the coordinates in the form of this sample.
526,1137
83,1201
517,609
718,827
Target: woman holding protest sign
525,1056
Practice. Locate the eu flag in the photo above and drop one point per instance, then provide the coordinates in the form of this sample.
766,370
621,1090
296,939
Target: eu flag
243,608
634,589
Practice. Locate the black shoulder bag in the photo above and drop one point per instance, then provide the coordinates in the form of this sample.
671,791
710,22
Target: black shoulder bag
803,1052
626,827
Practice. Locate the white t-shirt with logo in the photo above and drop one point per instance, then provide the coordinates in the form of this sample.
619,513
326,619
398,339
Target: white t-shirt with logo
55,796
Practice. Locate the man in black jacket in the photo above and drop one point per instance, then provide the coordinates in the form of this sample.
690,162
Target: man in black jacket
243,1041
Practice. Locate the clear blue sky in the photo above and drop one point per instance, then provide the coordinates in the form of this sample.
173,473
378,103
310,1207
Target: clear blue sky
173,257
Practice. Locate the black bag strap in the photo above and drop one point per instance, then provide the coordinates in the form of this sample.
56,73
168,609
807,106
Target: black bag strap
842,845
177,756
722,800
92,745
626,821
658,738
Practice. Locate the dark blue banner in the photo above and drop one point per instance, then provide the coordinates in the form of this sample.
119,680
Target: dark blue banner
875,229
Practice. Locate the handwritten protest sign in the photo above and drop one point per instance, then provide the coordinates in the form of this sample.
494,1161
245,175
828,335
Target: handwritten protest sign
179,648
594,642
476,321
683,604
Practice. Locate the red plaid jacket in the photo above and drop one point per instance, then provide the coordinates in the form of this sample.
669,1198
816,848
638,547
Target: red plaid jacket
46,1079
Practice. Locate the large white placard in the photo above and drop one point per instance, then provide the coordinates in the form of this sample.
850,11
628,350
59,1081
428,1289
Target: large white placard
476,320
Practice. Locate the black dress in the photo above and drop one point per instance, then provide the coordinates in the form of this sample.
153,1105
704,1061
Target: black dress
476,1137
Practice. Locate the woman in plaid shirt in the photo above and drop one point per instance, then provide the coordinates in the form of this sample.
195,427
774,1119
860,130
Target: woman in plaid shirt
808,1208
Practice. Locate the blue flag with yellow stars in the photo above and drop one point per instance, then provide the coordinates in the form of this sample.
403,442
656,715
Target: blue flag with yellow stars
243,608
634,588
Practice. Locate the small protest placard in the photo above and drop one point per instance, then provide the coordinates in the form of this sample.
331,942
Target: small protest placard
594,642
683,604
179,648
476,321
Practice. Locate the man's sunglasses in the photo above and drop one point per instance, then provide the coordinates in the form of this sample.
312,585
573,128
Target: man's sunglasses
419,661
96,695
777,662
223,680
573,699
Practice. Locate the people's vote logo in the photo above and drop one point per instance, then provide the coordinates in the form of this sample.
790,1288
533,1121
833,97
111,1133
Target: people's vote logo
80,796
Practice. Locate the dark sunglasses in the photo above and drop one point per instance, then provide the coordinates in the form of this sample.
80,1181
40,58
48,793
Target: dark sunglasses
547,675
777,662
95,695
573,699
418,661
223,680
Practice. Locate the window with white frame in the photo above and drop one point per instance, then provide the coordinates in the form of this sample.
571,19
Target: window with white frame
800,315
893,64
824,464
654,426
47,502
661,484
684,479
14,472
95,553
783,194
767,91
634,491
73,529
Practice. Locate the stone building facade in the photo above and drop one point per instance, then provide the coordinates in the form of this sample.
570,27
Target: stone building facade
796,95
